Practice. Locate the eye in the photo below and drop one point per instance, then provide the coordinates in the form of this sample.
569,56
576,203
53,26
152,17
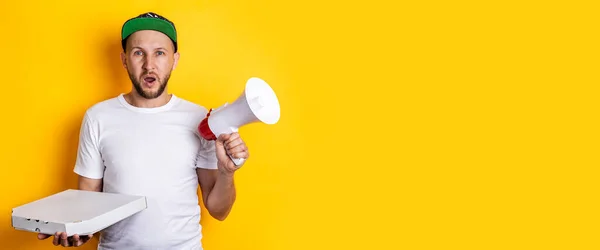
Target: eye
160,53
137,53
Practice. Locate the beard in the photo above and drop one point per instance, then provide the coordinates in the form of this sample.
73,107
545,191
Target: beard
162,81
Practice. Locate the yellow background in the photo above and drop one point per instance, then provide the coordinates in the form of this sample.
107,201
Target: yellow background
407,125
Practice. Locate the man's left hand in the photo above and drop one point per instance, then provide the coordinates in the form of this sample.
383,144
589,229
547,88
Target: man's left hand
230,144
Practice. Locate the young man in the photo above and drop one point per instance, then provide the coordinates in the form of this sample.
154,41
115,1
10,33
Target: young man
146,143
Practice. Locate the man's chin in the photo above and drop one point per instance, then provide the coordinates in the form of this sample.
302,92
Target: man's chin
150,94
147,93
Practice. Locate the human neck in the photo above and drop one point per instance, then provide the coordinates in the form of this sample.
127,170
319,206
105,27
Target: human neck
136,100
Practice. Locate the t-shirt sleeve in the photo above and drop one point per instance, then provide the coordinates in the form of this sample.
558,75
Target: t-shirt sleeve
89,161
206,157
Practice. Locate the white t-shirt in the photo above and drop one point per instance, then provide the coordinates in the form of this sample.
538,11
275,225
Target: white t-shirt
152,152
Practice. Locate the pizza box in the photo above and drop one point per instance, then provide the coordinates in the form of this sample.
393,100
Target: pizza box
76,212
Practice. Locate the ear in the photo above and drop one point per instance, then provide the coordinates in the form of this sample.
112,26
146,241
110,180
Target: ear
123,60
175,60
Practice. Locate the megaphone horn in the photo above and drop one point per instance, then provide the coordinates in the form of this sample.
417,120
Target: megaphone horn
258,103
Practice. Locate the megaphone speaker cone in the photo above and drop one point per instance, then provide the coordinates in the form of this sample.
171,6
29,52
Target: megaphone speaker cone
262,101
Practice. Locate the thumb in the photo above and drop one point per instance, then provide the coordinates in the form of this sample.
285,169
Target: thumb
42,236
220,144
222,138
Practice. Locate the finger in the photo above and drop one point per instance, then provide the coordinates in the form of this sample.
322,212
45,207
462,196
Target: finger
42,236
238,155
220,150
234,143
64,240
82,239
76,240
232,137
56,241
222,138
237,149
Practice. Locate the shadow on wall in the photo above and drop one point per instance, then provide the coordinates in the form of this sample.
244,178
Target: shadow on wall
109,56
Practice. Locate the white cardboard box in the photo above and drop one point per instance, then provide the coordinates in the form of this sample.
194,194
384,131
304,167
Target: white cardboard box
76,212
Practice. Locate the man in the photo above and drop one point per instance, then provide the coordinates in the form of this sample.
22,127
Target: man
146,143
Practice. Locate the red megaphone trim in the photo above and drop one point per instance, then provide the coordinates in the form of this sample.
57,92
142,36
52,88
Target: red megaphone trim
204,129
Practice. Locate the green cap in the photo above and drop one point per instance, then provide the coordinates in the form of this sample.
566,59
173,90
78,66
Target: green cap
149,21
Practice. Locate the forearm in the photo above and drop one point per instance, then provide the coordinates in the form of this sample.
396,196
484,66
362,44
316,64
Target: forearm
88,184
222,196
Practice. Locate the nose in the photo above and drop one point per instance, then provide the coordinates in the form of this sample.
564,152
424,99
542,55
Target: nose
149,63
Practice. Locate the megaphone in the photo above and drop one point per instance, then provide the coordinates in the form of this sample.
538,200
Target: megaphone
258,103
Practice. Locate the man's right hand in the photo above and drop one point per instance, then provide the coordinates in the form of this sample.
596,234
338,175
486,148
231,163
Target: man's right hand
60,238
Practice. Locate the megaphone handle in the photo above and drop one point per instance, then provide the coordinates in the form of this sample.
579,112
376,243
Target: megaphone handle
237,161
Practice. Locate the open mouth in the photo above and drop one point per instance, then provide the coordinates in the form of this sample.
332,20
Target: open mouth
149,81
